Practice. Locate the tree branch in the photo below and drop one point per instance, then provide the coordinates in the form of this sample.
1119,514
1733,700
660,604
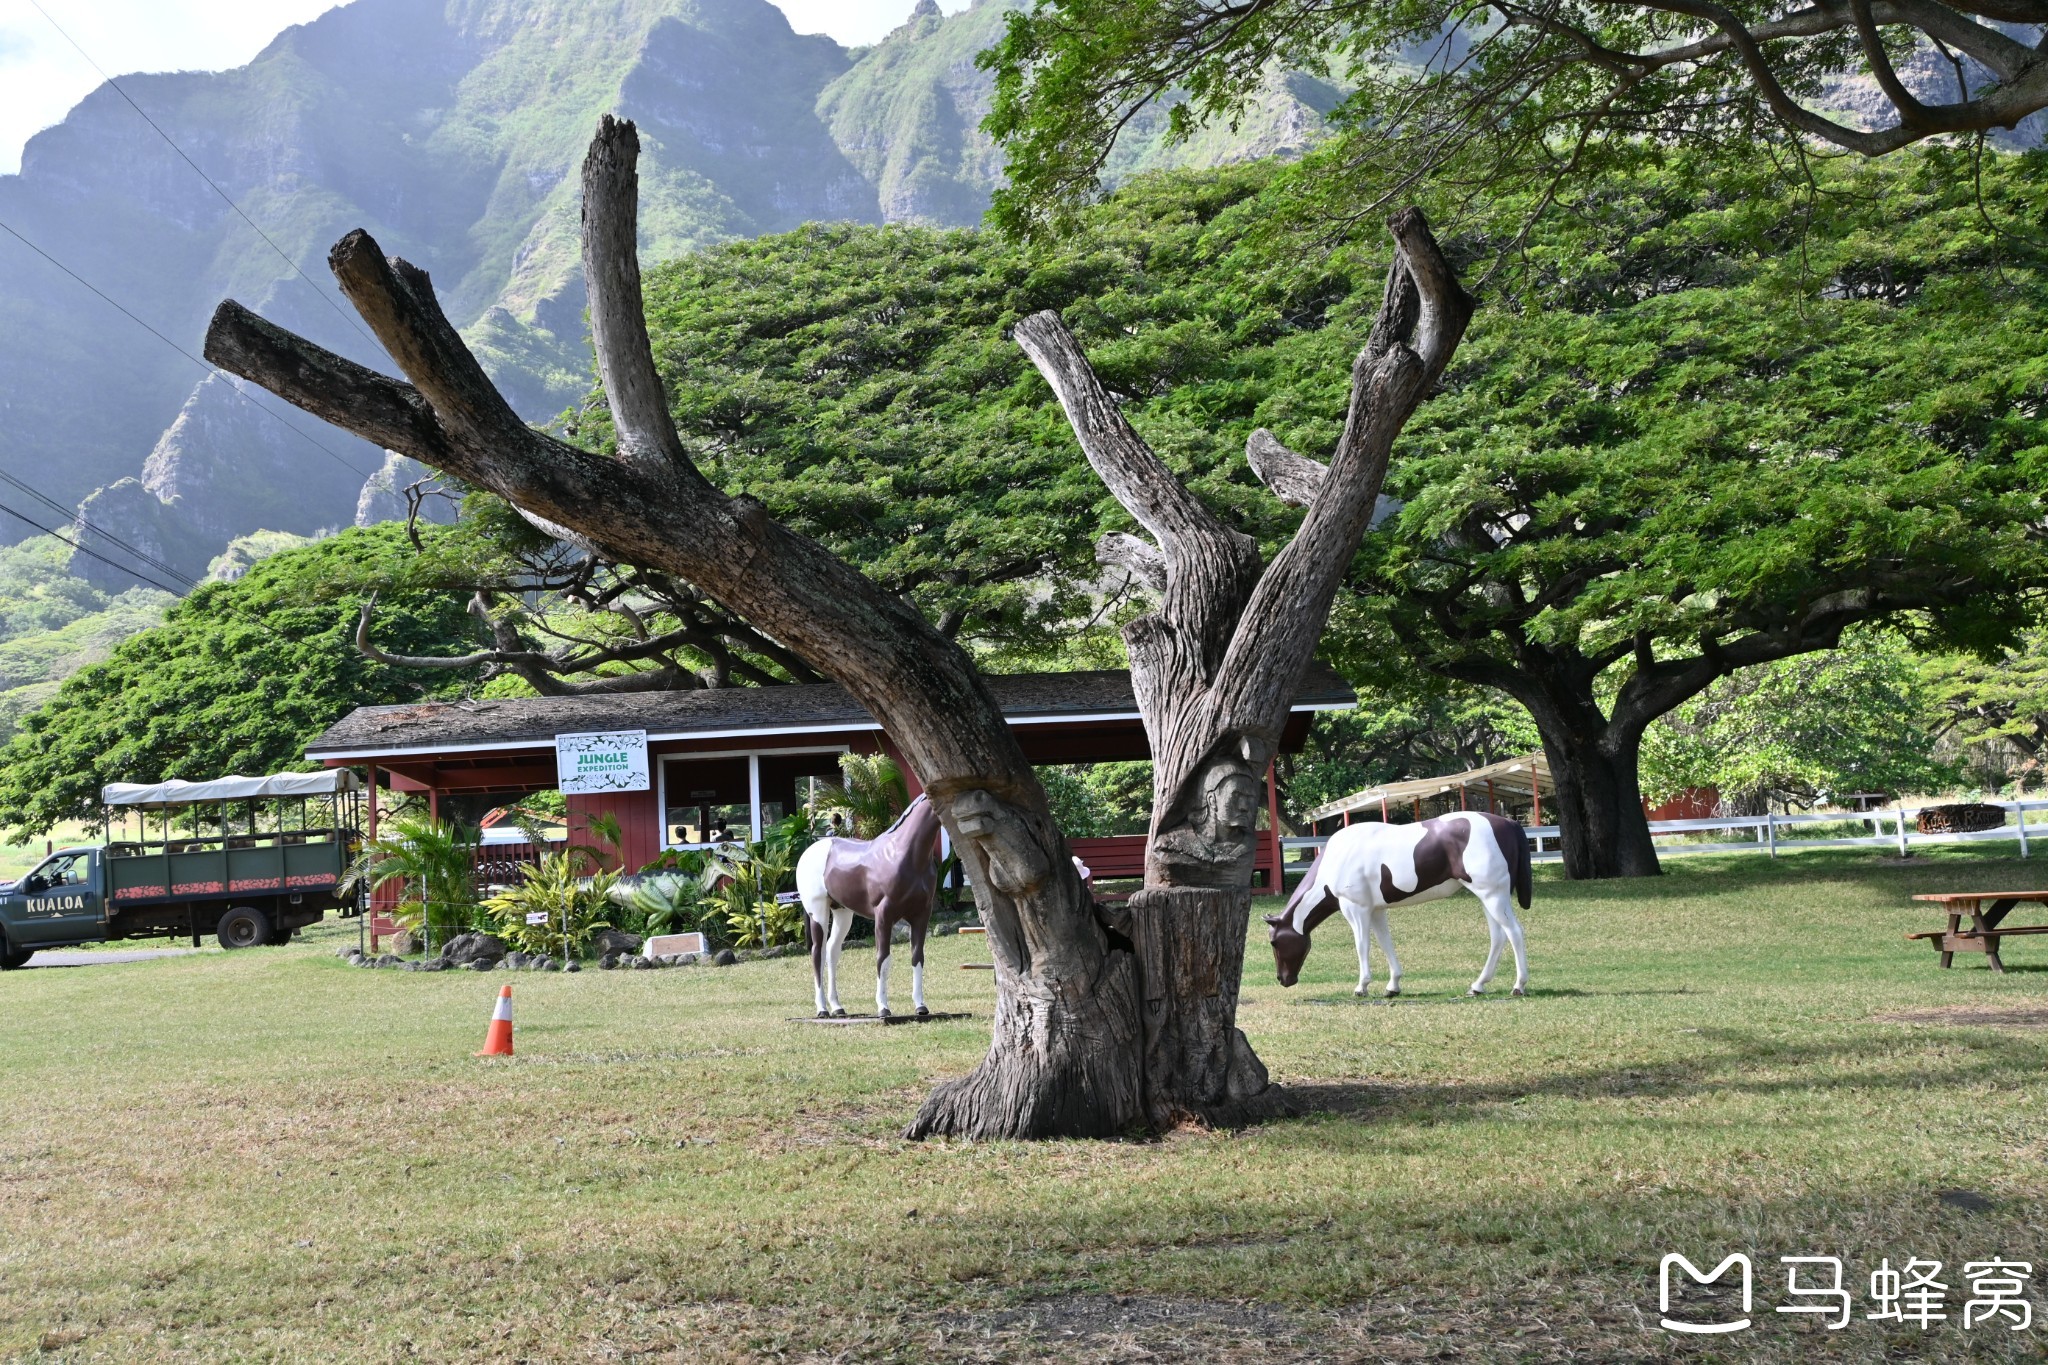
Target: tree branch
618,315
1134,555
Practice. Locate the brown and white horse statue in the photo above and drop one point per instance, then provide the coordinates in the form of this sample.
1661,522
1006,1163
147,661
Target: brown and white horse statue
1366,868
890,879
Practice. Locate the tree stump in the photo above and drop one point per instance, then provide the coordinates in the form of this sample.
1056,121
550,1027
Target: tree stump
1189,943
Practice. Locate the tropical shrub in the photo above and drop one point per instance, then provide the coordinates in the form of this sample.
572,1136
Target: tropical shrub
436,860
566,887
870,794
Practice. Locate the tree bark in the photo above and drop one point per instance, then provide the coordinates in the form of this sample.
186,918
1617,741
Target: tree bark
1074,1052
1599,804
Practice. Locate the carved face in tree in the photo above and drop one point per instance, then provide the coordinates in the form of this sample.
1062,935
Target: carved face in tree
1230,805
995,835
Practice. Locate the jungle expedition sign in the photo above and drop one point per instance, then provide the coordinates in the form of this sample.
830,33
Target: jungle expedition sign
610,761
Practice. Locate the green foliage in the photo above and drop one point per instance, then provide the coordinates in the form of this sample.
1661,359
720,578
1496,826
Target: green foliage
1432,101
570,889
436,860
1123,793
742,882
868,797
666,901
1078,810
238,678
1994,705
1803,732
860,383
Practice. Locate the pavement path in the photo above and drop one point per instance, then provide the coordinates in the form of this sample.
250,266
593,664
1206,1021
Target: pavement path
62,958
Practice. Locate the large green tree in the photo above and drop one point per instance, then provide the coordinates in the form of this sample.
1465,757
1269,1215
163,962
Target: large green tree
1693,449
238,678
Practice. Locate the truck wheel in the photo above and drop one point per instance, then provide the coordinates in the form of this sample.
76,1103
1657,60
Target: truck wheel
12,957
243,927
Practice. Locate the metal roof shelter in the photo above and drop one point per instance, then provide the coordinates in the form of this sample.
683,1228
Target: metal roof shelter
1516,780
159,795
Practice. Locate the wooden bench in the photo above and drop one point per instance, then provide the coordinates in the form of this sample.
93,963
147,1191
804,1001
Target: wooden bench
1987,925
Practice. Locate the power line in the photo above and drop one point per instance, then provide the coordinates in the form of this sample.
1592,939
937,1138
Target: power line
90,554
239,393
143,555
324,296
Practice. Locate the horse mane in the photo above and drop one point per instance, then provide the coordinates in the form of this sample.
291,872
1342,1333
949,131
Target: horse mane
894,824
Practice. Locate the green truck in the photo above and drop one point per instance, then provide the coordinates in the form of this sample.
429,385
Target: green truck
250,860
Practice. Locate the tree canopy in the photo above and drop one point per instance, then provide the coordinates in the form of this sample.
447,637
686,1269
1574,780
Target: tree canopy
1691,450
1457,101
238,678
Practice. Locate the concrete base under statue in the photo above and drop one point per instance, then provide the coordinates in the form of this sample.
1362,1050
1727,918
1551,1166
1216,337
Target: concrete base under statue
910,1018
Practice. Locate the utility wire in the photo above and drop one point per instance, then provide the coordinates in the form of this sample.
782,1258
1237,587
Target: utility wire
143,555
239,393
282,255
90,554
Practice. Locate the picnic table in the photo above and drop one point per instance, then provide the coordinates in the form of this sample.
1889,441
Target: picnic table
1987,925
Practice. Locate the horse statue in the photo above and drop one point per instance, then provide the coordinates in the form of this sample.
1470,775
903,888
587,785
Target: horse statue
891,878
1366,868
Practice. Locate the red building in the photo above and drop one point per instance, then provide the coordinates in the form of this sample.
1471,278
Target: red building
742,758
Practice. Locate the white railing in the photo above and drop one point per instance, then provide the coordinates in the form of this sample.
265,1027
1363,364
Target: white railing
1772,834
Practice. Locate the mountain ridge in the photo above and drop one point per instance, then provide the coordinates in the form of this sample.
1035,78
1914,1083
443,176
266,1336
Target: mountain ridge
452,133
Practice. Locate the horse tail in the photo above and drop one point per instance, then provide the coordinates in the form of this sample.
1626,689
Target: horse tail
1521,875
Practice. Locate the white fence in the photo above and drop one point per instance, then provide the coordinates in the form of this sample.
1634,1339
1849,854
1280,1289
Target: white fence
1774,834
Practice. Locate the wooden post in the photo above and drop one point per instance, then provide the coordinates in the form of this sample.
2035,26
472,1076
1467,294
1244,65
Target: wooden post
1489,796
1416,804
1278,886
1900,807
1535,796
2019,808
1347,825
1771,830
1384,818
371,909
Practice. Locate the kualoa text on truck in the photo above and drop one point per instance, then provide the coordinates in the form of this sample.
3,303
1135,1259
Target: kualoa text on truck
248,859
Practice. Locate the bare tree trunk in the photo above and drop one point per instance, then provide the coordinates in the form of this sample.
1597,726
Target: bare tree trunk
1101,1026
1599,803
1215,667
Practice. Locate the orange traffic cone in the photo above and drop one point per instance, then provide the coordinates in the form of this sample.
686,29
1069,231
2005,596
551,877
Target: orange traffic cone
498,1042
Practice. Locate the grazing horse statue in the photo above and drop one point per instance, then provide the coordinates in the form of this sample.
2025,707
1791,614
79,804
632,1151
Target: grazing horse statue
1366,868
890,878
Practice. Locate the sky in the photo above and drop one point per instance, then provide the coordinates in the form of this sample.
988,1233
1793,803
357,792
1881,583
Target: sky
42,76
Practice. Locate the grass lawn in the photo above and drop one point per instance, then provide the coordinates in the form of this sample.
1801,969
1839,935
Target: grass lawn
272,1155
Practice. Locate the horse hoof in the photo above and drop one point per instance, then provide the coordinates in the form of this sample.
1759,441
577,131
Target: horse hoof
1360,991
1392,994
922,1010
1520,991
884,1014
1475,991
838,1014
823,1015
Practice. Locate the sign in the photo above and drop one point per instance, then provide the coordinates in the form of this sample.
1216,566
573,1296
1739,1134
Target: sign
536,917
614,761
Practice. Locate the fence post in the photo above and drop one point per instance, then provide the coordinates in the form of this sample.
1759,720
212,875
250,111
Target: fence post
1771,830
2019,808
1900,808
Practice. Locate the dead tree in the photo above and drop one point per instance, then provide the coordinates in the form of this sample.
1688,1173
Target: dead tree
1102,1025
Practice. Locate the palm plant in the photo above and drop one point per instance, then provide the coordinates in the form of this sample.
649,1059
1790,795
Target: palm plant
436,860
743,882
869,795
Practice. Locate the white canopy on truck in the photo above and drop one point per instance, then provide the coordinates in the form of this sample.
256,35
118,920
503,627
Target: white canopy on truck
155,795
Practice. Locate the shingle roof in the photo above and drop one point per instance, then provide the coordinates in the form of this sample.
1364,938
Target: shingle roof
528,721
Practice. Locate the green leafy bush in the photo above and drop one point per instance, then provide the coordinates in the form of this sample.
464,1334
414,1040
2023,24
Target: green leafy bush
570,890
436,860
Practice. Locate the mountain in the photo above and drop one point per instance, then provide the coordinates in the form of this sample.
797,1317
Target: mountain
452,132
